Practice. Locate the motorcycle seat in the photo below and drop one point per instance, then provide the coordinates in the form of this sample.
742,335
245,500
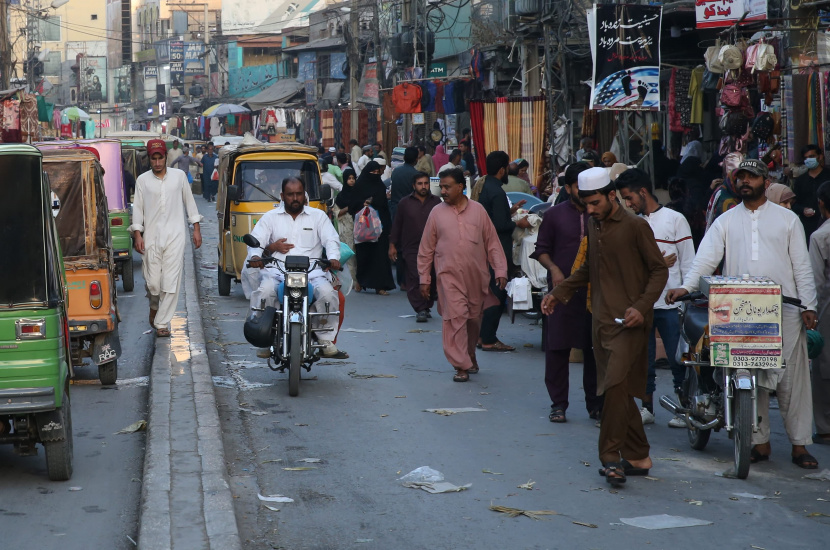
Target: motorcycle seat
695,321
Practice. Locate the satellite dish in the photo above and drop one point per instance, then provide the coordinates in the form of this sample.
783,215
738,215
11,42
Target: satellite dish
58,3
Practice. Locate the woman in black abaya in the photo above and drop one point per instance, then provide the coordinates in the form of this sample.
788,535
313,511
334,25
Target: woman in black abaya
374,269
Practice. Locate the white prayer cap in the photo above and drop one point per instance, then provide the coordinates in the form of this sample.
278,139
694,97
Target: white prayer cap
380,160
593,179
332,150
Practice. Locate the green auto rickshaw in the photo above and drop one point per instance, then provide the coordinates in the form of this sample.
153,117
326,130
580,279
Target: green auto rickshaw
34,332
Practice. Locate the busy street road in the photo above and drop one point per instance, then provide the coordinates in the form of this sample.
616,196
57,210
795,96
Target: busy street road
366,432
99,506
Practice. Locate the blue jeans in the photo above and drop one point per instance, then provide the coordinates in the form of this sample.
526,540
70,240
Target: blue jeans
667,322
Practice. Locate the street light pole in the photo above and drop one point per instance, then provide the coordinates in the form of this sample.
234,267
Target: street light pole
100,124
354,57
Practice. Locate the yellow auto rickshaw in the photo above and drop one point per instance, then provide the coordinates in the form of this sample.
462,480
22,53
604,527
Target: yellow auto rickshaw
250,183
80,208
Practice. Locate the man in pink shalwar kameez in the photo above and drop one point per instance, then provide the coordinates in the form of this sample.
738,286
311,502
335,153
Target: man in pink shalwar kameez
460,241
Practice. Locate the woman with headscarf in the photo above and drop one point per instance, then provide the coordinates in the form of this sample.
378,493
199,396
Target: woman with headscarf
345,220
609,159
440,158
781,195
374,269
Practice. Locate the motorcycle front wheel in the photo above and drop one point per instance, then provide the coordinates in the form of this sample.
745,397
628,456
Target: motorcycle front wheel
697,438
295,355
742,431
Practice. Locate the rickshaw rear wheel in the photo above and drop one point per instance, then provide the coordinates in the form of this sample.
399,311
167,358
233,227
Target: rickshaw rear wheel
127,277
108,373
224,282
59,453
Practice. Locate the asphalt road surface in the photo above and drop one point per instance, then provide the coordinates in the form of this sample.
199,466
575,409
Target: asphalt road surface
368,432
98,507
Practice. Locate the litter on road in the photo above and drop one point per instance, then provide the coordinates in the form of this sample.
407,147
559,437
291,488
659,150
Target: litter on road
439,487
299,469
138,426
529,485
354,374
516,512
359,330
664,521
448,412
491,472
274,498
753,496
823,475
424,474
309,460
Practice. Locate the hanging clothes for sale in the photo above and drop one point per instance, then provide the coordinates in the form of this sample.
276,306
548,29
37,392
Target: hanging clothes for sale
449,98
675,124
269,126
89,129
407,98
696,96
683,104
11,121
215,127
439,97
29,124
56,119
431,91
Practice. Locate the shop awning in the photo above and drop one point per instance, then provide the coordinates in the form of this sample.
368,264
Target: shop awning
274,95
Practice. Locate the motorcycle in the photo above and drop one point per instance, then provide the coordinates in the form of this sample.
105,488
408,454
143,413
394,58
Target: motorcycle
719,391
287,332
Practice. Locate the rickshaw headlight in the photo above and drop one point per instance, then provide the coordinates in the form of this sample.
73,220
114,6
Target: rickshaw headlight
96,297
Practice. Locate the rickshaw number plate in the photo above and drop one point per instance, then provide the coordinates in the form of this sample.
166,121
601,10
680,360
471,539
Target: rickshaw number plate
745,324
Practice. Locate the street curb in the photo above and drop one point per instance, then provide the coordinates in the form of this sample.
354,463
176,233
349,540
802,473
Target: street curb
218,521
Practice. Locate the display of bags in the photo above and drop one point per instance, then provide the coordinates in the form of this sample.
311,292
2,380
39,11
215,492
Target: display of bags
732,95
713,64
367,226
762,126
731,57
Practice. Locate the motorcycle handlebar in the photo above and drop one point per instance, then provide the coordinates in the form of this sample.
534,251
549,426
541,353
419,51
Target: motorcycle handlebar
321,262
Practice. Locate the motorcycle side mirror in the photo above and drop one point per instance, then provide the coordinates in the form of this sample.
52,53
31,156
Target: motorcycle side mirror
325,193
233,192
251,241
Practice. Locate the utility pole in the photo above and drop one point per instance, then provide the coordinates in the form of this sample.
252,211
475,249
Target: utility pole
5,46
207,53
354,57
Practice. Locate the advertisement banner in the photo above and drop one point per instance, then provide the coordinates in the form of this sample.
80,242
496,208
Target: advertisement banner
745,324
151,72
725,13
94,78
367,91
625,47
194,61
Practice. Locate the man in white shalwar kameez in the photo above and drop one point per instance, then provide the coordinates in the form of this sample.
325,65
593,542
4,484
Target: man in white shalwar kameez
763,239
162,196
293,228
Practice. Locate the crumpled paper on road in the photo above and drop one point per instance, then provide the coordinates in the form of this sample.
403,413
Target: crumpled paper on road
664,521
437,487
451,411
139,426
823,475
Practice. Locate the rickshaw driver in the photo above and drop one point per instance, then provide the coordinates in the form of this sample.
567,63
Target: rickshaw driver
159,233
297,229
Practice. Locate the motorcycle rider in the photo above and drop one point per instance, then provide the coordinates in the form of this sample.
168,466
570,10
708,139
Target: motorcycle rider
760,238
292,228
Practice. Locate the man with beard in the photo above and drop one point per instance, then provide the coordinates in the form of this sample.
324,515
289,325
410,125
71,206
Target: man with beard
674,238
563,228
299,230
407,230
627,274
760,238
161,197
494,200
459,244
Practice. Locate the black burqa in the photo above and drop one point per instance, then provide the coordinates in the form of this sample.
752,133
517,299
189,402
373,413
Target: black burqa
374,269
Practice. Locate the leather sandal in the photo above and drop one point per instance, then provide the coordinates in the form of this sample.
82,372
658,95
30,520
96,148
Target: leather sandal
461,376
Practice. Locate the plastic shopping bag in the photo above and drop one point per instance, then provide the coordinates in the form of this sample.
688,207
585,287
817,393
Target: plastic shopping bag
367,226
214,176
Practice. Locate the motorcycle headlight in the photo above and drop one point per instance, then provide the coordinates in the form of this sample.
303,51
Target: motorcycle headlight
296,280
295,293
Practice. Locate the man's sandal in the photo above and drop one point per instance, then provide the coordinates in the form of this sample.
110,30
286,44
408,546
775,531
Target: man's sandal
498,346
756,456
473,370
806,461
461,376
557,414
629,469
615,474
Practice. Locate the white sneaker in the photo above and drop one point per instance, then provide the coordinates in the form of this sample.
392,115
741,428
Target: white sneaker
677,422
648,416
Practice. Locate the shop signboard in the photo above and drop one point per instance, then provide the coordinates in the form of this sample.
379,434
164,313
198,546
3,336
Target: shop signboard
194,62
745,317
625,47
368,89
725,13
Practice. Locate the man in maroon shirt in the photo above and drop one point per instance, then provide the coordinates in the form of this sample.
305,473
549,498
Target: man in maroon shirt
407,230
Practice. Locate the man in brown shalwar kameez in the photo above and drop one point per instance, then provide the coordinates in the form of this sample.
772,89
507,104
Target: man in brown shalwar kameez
460,241
627,274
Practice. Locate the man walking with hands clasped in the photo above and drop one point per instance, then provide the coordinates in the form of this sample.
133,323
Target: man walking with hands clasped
627,274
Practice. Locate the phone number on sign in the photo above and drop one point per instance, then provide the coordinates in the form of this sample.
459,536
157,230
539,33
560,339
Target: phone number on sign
755,362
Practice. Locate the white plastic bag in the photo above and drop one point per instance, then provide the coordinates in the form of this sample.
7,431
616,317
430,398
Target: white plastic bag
424,474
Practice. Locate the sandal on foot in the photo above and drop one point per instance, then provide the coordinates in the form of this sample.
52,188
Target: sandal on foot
614,474
473,370
806,461
498,346
162,333
461,376
755,456
339,355
629,469
478,344
557,414
382,292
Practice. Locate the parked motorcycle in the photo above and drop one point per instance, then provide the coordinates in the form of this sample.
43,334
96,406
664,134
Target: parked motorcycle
719,391
287,332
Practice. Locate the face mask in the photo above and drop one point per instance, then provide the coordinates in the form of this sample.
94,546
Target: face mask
811,163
